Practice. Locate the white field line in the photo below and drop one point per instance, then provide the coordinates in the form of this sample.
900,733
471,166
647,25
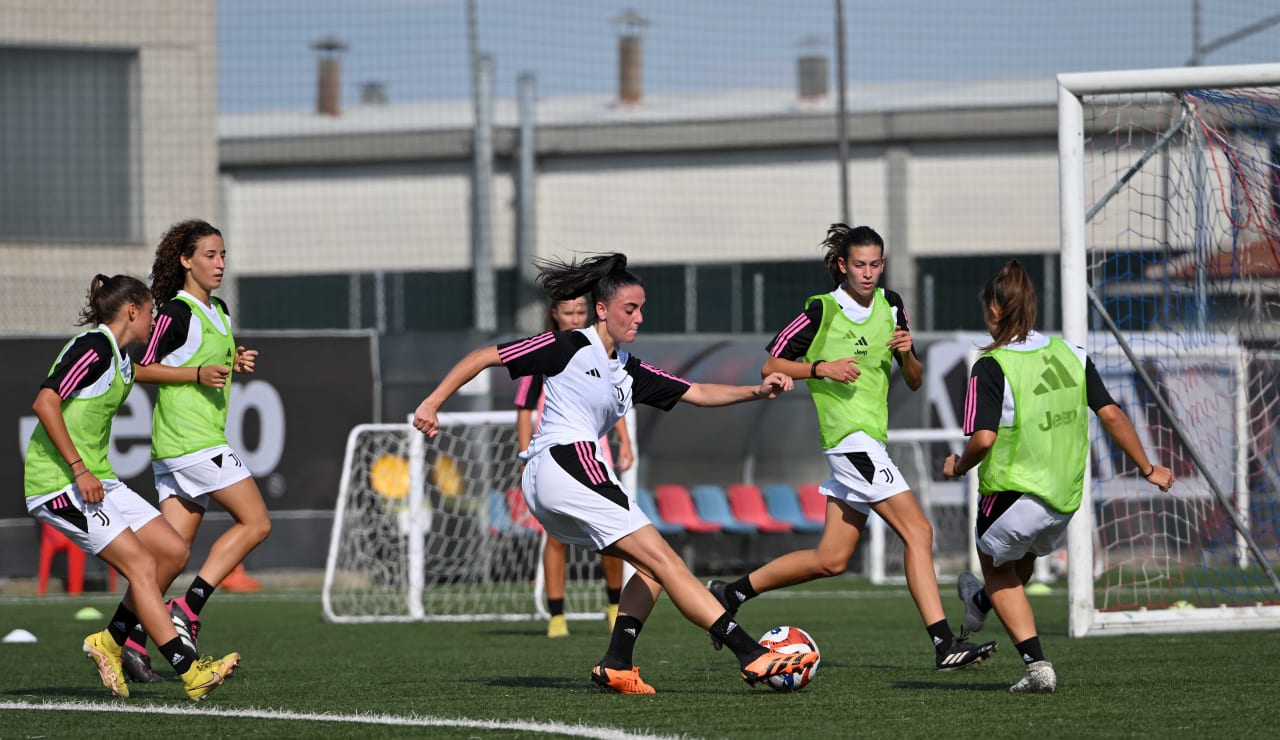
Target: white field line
412,720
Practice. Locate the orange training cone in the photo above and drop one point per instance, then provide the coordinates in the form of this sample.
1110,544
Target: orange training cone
239,580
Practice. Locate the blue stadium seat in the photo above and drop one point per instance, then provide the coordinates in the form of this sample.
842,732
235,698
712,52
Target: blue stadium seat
650,508
713,505
784,504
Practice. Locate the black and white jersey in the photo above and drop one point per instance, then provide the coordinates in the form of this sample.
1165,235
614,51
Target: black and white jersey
586,391
988,400
176,337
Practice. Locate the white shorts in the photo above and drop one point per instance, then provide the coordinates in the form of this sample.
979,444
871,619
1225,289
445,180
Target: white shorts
1027,525
217,468
93,526
575,497
863,477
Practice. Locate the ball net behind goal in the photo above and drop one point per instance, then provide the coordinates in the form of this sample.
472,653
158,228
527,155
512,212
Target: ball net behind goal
437,529
1182,251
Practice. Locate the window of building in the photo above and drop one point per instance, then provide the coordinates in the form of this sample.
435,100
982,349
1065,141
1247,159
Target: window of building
68,141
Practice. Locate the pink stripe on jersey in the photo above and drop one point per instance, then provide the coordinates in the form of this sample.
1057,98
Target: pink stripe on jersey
786,334
589,464
76,374
522,391
519,349
162,324
970,406
663,373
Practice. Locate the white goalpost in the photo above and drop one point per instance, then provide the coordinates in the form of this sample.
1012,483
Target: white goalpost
435,529
1169,187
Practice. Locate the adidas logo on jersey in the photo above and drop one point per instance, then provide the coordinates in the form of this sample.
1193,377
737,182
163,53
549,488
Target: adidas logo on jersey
593,373
862,342
1054,377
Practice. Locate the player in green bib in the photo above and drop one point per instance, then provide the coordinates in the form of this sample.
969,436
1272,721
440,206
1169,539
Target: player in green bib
71,486
1026,410
190,457
844,345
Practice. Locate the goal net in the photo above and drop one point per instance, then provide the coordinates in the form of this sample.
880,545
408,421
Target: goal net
1170,262
436,529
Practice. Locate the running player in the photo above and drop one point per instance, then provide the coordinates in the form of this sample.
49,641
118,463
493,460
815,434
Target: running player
591,382
564,316
191,459
71,485
843,345
1025,412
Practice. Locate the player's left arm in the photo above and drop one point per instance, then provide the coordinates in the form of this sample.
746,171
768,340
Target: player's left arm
902,345
983,404
716,394
1120,427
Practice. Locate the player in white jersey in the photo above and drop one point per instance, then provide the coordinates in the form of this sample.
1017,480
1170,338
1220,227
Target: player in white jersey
590,384
566,315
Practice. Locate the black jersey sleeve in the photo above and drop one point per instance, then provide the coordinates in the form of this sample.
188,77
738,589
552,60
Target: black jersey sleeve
544,354
793,341
81,365
654,387
170,332
984,398
528,391
895,301
221,304
1099,398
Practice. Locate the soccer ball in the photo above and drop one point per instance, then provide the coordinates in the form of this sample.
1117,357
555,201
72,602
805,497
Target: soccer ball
791,640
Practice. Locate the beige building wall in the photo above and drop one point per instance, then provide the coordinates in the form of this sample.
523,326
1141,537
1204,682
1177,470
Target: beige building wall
42,285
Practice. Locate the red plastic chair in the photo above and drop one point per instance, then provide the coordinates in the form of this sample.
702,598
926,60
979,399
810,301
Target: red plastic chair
520,513
675,504
51,543
747,504
812,502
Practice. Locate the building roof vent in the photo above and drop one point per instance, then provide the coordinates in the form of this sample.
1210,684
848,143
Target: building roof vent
812,70
373,92
629,24
329,76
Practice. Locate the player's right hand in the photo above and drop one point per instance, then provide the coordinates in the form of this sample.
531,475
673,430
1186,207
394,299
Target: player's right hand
215,376
425,420
91,490
844,370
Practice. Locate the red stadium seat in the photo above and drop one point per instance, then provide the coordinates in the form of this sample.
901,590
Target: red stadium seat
51,542
812,502
675,504
747,503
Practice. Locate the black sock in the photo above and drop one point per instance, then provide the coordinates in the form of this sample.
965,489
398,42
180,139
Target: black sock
614,595
622,644
740,591
736,639
555,606
122,624
178,655
1030,650
941,635
982,601
139,636
197,594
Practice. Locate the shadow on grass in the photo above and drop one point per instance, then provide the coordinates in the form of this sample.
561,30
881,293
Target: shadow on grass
950,686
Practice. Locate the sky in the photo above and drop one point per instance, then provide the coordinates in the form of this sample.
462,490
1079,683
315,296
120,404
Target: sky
418,49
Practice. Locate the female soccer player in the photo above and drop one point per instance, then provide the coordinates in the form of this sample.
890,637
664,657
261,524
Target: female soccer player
844,344
190,456
1026,413
565,316
71,486
590,384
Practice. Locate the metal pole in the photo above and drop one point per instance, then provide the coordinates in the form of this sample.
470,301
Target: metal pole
842,118
529,313
484,288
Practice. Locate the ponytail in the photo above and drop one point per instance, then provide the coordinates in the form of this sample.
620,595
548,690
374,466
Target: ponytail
598,278
1011,293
